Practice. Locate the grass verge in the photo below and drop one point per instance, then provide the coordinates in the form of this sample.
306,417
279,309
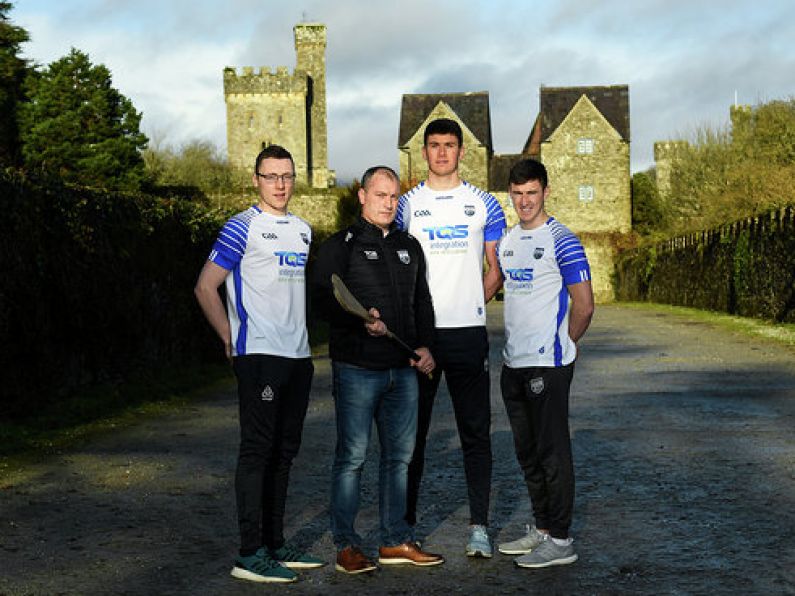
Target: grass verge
100,409
781,333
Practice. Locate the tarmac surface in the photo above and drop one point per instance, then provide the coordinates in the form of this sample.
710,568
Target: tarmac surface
684,455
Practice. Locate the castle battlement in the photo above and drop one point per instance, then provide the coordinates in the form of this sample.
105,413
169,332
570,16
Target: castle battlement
668,149
265,81
278,107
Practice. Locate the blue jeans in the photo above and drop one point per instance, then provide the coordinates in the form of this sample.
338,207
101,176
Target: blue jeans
390,398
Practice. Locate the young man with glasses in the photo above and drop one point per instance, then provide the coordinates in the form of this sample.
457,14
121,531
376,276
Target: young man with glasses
260,255
456,223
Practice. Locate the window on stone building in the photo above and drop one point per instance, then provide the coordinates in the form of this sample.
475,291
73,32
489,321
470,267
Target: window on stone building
585,146
586,193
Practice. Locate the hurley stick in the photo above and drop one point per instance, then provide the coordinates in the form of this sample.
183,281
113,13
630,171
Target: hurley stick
350,304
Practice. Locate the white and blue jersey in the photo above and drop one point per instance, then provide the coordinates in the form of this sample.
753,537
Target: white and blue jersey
537,266
265,255
452,225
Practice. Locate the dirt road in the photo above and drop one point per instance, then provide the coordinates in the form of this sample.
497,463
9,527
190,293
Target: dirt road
684,440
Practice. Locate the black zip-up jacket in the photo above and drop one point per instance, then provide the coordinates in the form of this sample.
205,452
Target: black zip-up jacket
385,272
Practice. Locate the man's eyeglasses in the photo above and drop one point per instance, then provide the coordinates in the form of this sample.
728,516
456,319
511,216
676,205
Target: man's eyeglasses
272,178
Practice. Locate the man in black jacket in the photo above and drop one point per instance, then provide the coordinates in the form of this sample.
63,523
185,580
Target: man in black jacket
373,379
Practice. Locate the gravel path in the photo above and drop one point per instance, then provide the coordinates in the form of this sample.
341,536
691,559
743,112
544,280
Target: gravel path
684,452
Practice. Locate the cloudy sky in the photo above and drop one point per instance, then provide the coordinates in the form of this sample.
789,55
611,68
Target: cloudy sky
684,60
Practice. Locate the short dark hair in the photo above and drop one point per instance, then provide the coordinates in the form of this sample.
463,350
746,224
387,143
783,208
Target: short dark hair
527,170
273,152
370,172
443,126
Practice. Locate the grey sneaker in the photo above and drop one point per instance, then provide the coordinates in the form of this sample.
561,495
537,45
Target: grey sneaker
479,543
523,545
547,554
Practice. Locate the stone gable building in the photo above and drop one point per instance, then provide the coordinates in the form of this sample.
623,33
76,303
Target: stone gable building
283,108
582,136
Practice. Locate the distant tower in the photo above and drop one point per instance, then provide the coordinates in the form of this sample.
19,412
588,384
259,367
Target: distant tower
282,108
310,48
665,154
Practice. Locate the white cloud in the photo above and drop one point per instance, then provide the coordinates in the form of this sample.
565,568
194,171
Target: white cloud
683,60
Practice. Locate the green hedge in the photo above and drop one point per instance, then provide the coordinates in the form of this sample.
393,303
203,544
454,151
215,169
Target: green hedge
745,268
96,287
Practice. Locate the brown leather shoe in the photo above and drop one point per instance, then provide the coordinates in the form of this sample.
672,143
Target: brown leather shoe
352,560
408,552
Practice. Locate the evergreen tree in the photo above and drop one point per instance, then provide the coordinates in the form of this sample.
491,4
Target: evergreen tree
76,125
648,213
12,74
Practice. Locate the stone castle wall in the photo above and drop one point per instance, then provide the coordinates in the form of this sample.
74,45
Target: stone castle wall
264,109
283,108
310,48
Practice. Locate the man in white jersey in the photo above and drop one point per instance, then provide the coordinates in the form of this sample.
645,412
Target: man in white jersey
456,223
260,255
548,307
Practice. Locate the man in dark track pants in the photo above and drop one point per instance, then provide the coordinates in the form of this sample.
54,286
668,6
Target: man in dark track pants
548,307
456,223
260,255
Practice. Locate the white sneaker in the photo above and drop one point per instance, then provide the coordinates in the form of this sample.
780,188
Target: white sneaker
523,545
479,543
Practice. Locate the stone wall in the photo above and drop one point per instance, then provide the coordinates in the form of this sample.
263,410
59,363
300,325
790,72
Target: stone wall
745,268
320,210
605,170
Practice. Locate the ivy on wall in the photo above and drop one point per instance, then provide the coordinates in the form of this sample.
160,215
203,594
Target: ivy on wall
745,268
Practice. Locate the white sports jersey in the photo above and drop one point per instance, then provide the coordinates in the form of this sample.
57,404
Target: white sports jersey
265,289
537,265
452,226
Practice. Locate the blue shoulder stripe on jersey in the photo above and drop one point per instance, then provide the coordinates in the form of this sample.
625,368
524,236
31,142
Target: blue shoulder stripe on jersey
400,221
403,217
570,254
232,239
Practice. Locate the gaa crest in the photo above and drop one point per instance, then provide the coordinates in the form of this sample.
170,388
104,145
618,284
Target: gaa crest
267,393
537,385
404,256
469,210
538,252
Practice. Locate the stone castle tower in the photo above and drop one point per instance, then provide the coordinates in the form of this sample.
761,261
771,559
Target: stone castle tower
282,108
665,153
